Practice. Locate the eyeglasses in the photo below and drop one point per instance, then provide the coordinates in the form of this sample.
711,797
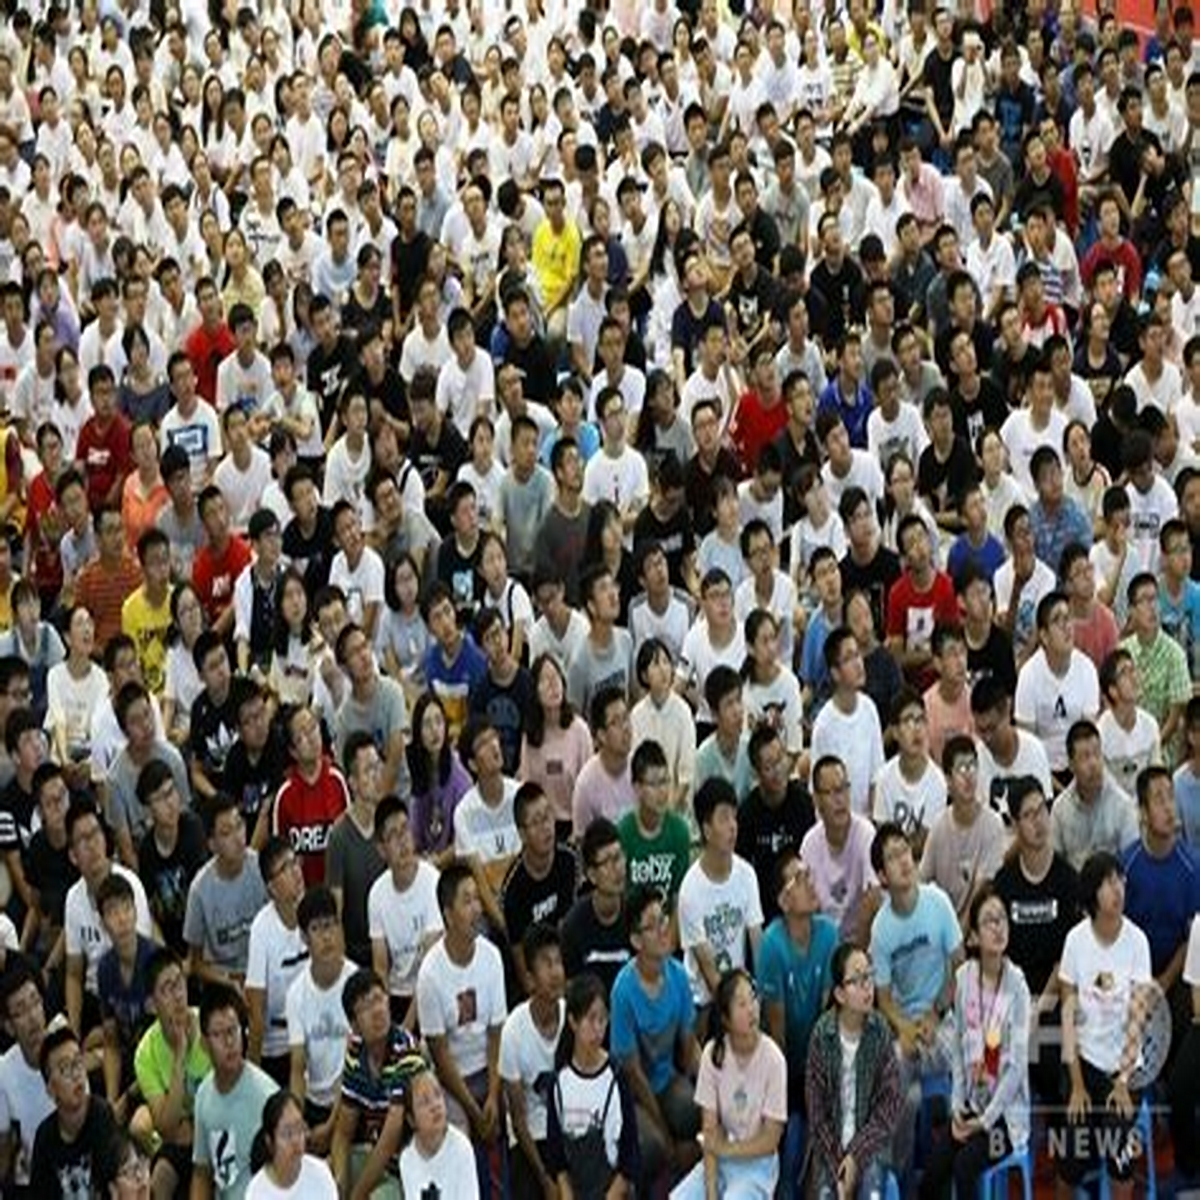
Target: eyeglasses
614,858
71,1068
966,766
135,1170
288,864
655,924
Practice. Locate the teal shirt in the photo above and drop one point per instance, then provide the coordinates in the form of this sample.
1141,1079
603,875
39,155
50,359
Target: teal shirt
738,771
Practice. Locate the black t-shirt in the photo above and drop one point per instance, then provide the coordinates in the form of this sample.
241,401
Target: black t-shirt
166,878
448,454
356,316
327,373
72,1169
987,410
560,545
994,657
460,573
1012,375
526,900
505,706
755,302
794,457
937,77
409,260
312,555
1125,159
213,732
590,946
942,484
765,832
686,329
388,391
537,362
52,873
254,783
1039,917
674,536
701,488
875,578
845,299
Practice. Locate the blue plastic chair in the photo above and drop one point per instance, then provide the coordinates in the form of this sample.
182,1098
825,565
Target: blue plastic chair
1145,1128
993,1183
891,1187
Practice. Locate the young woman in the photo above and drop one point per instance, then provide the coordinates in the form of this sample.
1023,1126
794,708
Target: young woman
505,594
852,1085
742,1093
143,395
990,1098
73,690
243,283
403,637
293,665
183,683
277,1158
439,781
1086,480
902,500
1105,978
722,545
1000,489
440,1160
482,471
592,1143
605,543
557,742
660,428
32,640
772,691
143,493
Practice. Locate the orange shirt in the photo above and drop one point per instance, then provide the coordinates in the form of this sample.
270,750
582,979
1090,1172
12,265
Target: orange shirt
139,511
103,591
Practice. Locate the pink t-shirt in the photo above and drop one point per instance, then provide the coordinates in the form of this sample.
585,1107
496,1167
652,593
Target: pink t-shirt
841,880
599,794
556,764
946,719
1098,636
744,1094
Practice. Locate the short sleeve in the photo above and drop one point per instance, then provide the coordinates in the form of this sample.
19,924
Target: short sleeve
1191,963
256,958
510,1066
193,916
429,1011
1068,966
294,1013
622,1030
770,975
706,1081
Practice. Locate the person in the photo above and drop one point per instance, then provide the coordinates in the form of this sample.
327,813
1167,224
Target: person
378,1056
604,787
317,1025
279,1159
910,789
69,1144
592,1138
853,1097
437,1161
1006,753
229,1101
528,1043
1104,975
989,1101
593,931
655,838
24,1101
403,917
719,881
916,946
464,1039
742,1093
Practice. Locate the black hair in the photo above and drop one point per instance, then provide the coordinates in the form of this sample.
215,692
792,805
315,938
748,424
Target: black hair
1095,872
582,992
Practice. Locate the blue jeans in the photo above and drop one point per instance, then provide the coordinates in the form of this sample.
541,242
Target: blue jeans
792,1158
738,1179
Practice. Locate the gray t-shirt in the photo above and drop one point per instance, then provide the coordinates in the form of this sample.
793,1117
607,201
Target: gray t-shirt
186,538
380,717
125,809
590,669
225,1125
522,508
353,863
219,912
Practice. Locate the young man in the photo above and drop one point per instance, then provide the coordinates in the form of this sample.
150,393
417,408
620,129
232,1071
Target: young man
219,561
543,880
718,881
213,725
966,843
370,1112
606,655
604,787
593,932
506,692
180,519
453,665
654,1038
70,1144
910,790
317,1025
255,618
403,917
1129,735
146,614
257,761
461,1007
24,1100
104,584
850,718
85,939
170,1062
229,1103
914,985
922,598
654,837
527,1048
223,898
715,641
276,956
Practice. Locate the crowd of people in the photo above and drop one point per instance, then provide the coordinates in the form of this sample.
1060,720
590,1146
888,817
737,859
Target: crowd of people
597,599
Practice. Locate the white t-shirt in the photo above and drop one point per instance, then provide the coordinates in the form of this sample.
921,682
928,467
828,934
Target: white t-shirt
1021,439
993,779
199,435
1148,514
317,1021
345,475
71,702
914,806
624,480
488,832
857,740
276,956
247,387
526,1058
906,434
699,656
25,1103
84,931
1105,977
718,915
451,1171
243,489
1048,706
1041,583
462,1003
315,1182
361,586
404,920
1127,752
461,395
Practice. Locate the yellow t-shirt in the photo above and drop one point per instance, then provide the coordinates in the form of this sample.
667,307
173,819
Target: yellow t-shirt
148,627
556,261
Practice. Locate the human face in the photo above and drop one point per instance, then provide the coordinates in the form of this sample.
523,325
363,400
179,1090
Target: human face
286,884
139,724
229,837
607,871
1143,611
1087,765
850,670
306,738
1158,813
88,849
170,995
1058,635
743,1015
719,832
963,780
991,928
912,731
1110,899
487,756
1033,823
591,1028
120,921
857,989
428,1108
832,791
67,1080
537,828
26,1014
372,1016
462,917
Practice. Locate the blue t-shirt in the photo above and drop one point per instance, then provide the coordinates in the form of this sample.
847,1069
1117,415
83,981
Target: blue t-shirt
987,559
912,953
799,980
453,684
650,1027
1187,802
1161,897
128,1006
1181,620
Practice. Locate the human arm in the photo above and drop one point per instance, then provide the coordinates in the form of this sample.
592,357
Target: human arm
256,1005
344,1128
386,1147
514,1100
202,1182
74,992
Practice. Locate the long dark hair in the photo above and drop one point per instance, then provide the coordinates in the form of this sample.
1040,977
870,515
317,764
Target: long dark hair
602,512
718,1015
420,768
838,965
582,992
535,717
755,620
645,437
282,633
262,1149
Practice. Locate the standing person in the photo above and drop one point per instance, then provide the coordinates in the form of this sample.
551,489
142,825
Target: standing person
852,1084
592,1130
229,1103
990,1067
276,955
1104,976
742,1094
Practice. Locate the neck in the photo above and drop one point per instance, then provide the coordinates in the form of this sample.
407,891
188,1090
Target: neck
850,1020
990,966
1035,863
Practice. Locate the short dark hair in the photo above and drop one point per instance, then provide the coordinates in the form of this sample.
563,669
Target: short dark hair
1095,872
710,795
221,997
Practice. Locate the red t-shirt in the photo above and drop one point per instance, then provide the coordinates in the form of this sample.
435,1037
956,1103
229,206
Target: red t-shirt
754,425
911,615
105,456
206,350
304,813
213,575
45,526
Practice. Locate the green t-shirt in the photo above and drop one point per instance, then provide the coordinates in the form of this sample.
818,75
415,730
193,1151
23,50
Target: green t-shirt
154,1063
662,861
